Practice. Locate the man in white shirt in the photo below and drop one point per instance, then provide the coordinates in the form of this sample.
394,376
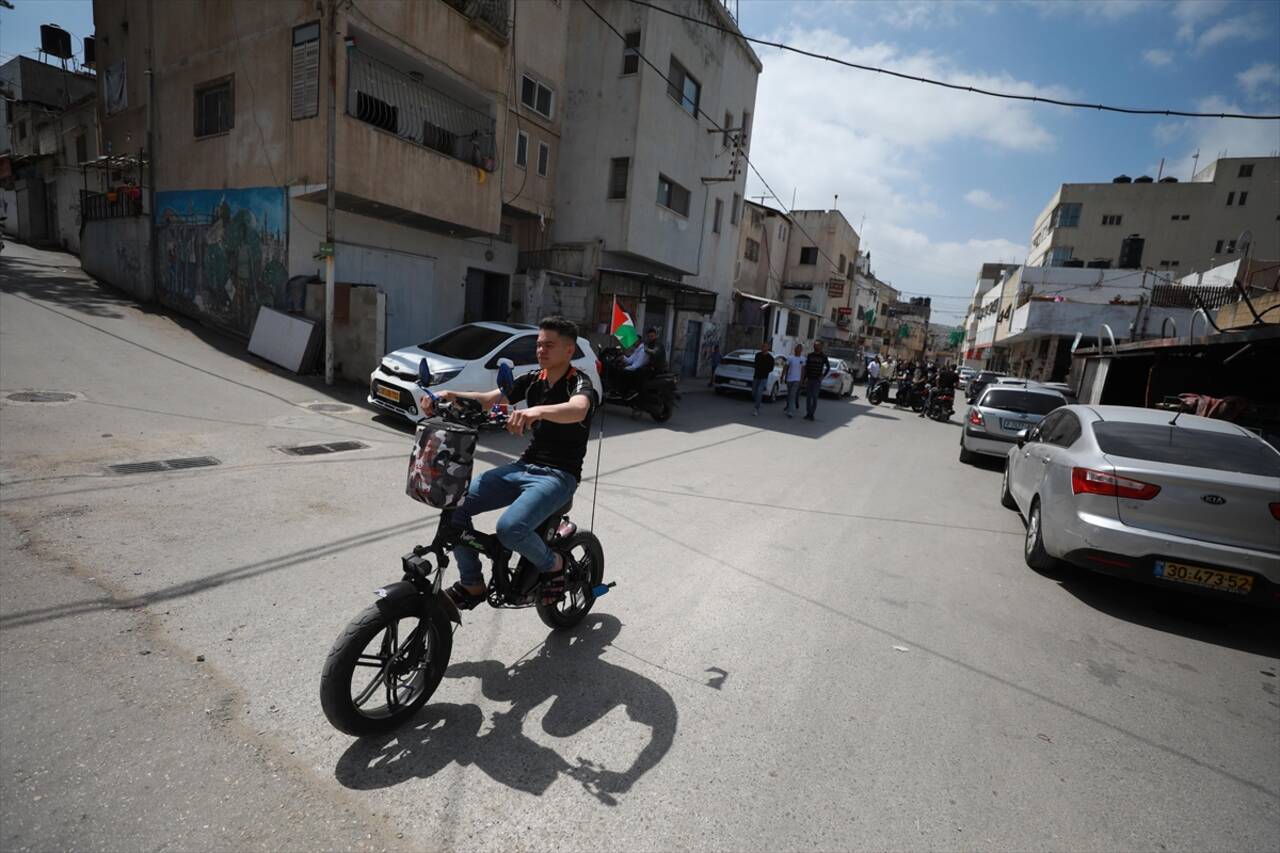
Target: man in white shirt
795,369
639,358
873,373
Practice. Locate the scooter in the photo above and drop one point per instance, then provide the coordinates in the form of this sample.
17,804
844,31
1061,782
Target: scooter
655,393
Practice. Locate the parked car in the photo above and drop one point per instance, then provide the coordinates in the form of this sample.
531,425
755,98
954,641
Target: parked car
965,374
1185,502
738,368
981,380
1062,388
993,422
854,358
463,359
839,379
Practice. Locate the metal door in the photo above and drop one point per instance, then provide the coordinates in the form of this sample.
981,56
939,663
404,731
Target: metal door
406,279
692,343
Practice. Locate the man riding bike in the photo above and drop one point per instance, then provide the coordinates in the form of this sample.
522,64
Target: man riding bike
561,400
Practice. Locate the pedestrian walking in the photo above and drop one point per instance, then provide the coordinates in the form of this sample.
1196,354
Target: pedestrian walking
815,368
764,367
795,372
715,363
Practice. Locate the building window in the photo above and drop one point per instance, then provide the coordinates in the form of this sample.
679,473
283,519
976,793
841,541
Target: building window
726,136
746,128
736,210
752,252
522,149
1231,247
715,219
1243,197
82,148
22,130
1217,248
813,326
215,107
631,53
673,196
843,261
809,255
1246,170
782,232
683,89
1113,219
1180,217
802,302
793,324
1231,197
1059,256
1169,264
305,72
757,219
544,158
1066,216
536,96
619,168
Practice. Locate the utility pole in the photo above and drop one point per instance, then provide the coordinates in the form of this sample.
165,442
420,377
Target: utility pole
330,196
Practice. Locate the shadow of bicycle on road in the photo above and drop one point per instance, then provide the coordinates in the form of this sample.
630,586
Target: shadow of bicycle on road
583,689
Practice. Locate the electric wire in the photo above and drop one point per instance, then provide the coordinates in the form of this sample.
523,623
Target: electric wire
954,86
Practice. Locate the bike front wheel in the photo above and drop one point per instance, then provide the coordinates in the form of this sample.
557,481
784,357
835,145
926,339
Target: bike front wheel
583,573
385,665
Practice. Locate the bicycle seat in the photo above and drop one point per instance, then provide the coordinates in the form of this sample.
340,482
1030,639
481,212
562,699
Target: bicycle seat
555,517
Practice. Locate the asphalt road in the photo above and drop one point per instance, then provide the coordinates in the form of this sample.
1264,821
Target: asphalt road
823,634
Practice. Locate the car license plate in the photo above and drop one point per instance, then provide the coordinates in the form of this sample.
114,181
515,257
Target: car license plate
1015,426
389,393
1211,578
742,382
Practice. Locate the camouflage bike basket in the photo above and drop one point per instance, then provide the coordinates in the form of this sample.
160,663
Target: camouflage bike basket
440,464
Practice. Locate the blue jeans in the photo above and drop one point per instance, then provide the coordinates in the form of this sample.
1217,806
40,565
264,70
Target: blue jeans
757,390
793,396
811,389
532,493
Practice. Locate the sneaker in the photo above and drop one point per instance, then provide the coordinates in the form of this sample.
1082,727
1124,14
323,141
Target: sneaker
755,413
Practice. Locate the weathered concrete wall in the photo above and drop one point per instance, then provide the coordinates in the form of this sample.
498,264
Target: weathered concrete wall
118,251
542,294
357,344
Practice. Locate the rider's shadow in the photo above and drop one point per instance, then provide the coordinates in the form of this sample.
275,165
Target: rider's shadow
583,688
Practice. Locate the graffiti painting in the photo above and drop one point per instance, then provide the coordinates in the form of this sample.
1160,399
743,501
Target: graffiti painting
223,253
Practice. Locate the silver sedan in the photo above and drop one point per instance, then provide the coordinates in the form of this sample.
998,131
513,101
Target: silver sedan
1190,503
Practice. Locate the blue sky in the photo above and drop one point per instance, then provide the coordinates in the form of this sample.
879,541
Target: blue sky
948,180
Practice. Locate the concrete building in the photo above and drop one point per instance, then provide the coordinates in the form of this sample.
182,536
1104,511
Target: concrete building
758,310
447,145
1163,225
871,300
989,275
820,273
47,129
649,214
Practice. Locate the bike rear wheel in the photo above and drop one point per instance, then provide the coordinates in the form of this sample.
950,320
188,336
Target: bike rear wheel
385,665
584,573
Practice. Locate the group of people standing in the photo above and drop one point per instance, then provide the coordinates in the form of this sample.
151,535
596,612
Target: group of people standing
801,370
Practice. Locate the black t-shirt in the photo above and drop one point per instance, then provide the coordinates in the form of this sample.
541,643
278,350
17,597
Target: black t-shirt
815,365
560,446
764,364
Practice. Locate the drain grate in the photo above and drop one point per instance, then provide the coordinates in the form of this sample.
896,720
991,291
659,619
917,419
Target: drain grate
41,397
317,449
163,465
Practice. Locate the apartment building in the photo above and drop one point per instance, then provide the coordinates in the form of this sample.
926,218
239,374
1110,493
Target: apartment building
446,154
1166,224
758,312
820,272
649,213
990,275
871,301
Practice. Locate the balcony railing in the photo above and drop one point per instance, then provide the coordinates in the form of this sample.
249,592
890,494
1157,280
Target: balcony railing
399,103
491,13
112,205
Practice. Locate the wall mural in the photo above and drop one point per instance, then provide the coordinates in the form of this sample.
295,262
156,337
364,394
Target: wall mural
223,253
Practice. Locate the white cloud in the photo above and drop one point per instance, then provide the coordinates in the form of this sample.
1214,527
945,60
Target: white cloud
984,200
875,144
1240,28
1220,137
1189,13
1157,58
1261,81
1106,10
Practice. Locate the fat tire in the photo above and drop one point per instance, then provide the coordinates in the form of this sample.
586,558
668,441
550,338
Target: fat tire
550,614
335,680
1033,552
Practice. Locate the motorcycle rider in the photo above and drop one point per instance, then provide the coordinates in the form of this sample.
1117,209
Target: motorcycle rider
648,357
561,400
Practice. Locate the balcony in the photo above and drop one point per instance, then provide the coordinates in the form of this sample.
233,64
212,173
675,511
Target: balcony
402,103
490,15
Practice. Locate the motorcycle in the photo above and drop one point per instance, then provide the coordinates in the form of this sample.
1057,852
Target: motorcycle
390,658
655,393
910,395
941,405
880,391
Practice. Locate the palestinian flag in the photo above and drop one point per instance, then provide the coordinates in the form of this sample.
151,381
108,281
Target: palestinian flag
623,329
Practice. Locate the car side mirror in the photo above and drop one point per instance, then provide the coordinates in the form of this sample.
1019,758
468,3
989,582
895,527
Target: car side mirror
1022,437
506,376
424,373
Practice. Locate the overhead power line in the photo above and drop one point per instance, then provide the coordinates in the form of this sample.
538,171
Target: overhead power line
960,87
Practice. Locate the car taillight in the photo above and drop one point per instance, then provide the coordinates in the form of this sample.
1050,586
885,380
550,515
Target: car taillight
1275,511
975,417
1091,482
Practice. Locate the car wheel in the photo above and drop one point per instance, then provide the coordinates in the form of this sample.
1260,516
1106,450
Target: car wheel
1033,546
1006,497
967,456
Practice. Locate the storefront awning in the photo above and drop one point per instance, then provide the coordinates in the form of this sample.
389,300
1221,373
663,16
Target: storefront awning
643,286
